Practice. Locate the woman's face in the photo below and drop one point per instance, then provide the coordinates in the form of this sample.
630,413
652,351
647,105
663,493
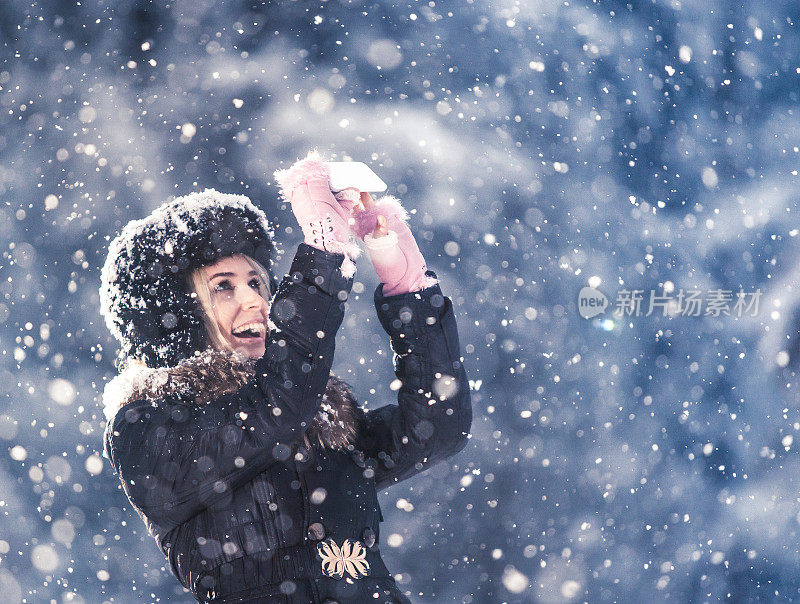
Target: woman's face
237,299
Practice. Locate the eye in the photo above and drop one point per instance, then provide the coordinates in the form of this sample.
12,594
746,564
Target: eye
255,282
223,286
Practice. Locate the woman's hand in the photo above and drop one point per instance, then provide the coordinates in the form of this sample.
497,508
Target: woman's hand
322,218
365,202
390,244
382,228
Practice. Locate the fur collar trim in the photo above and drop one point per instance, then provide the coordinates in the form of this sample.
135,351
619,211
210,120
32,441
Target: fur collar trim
203,379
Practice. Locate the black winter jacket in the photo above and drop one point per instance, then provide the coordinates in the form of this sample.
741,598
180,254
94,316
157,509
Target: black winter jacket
243,503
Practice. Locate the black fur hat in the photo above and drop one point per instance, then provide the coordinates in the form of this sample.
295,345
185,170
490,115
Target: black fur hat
144,294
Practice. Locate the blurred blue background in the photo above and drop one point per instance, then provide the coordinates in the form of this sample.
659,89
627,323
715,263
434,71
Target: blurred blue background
544,146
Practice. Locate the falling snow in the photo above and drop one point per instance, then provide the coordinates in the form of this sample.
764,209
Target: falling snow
543,147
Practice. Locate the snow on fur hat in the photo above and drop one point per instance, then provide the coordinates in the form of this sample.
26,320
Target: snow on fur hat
144,295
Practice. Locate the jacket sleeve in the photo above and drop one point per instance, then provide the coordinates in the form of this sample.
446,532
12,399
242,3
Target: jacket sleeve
433,415
174,460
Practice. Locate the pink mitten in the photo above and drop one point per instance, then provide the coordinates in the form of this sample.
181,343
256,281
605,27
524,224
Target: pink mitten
323,220
396,257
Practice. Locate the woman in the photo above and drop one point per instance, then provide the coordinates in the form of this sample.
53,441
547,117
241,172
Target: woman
251,465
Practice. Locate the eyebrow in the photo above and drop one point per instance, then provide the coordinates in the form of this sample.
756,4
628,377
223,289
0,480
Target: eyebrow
253,272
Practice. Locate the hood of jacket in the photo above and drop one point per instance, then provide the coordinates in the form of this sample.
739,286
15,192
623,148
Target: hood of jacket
202,379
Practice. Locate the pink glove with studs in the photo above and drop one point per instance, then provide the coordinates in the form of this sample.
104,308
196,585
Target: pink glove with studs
391,246
322,218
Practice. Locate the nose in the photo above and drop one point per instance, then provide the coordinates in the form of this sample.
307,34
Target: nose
250,299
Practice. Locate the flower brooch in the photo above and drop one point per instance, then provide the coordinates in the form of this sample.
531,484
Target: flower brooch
350,558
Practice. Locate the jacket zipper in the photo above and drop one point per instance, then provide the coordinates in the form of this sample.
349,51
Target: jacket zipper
303,489
306,520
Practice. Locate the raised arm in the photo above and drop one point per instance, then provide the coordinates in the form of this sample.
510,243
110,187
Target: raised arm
433,415
175,459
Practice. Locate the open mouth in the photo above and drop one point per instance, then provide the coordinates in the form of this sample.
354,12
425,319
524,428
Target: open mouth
250,331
